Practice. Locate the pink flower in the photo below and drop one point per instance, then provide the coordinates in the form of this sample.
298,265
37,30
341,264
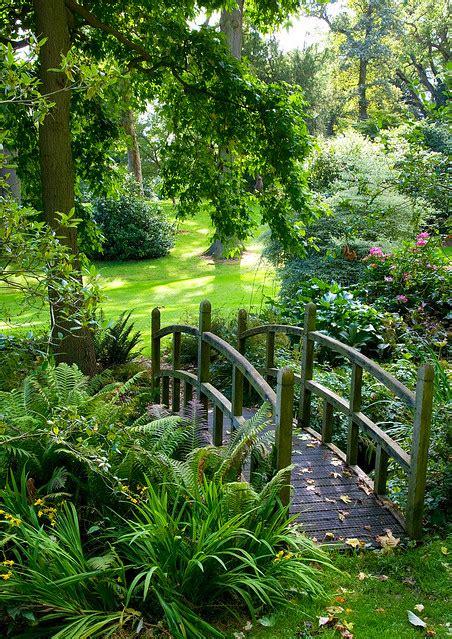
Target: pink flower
392,268
376,250
421,238
388,279
406,276
402,298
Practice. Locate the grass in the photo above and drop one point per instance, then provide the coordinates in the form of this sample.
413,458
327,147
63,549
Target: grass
375,606
176,283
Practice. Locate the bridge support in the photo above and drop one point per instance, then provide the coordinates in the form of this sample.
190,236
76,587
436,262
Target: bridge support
205,324
283,426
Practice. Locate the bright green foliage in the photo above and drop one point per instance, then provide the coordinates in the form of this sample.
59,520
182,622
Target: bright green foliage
116,343
133,228
414,280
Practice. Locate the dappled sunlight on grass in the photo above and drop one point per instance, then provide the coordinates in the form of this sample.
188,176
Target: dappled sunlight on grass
176,283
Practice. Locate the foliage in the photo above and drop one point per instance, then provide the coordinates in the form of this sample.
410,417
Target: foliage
420,153
116,343
340,314
19,356
36,263
413,280
133,228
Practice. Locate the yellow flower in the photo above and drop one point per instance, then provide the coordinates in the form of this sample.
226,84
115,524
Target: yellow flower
39,502
40,513
8,562
7,575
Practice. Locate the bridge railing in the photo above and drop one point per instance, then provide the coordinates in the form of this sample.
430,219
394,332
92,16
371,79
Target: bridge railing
415,463
281,401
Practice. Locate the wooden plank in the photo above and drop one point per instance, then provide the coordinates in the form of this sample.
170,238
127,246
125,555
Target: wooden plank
327,422
155,353
367,364
284,423
217,430
176,366
307,366
284,329
177,328
355,406
381,471
270,352
256,380
419,451
205,322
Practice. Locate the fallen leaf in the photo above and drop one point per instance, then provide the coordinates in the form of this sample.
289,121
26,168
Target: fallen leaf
388,541
362,576
444,550
239,635
335,610
336,462
329,535
313,445
335,475
248,626
343,514
325,621
364,487
347,612
379,609
310,481
343,630
310,487
340,599
419,607
369,528
354,542
430,632
346,499
306,470
348,473
382,577
331,501
415,620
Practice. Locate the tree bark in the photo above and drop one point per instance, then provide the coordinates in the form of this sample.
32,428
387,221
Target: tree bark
362,88
231,24
133,149
57,172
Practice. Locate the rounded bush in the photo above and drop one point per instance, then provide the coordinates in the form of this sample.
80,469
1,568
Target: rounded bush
133,228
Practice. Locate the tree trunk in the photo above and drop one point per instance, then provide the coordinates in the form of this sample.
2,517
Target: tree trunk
133,149
57,171
362,87
231,24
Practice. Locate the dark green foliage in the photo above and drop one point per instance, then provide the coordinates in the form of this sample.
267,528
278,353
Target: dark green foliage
18,356
327,268
133,228
116,343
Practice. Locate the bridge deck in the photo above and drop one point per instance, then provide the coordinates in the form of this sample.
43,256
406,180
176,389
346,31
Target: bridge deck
332,502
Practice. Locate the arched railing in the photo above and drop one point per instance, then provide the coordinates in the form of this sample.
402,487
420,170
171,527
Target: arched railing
281,401
415,463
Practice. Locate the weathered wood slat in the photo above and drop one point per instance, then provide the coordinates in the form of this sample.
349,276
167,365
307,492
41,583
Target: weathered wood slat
373,368
273,328
257,382
177,328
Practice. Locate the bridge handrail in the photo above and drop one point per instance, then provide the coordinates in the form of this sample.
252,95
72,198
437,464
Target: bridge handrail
415,463
281,402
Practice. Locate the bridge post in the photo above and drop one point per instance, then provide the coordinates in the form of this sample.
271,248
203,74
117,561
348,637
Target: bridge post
283,426
307,366
205,323
237,376
176,366
270,354
419,451
155,353
355,407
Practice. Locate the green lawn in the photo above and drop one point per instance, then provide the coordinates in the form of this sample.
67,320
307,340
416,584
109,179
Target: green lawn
177,283
372,595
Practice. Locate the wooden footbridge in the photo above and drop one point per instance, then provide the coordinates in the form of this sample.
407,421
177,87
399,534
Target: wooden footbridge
332,497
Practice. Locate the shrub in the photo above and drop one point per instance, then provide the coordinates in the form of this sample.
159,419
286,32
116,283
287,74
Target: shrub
133,228
414,280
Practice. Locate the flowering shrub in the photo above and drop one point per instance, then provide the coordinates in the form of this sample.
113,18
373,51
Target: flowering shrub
414,280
